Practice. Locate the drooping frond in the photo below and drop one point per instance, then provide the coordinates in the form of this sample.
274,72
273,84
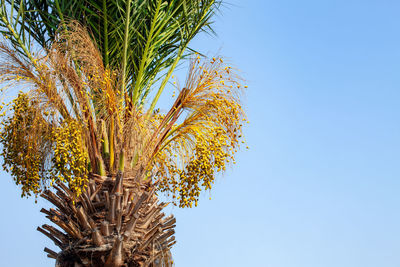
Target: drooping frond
67,89
189,154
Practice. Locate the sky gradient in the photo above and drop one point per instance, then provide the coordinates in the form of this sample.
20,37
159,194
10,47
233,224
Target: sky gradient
319,186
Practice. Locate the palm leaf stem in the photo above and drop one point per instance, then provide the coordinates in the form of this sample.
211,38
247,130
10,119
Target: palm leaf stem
125,46
165,80
111,142
60,13
144,58
105,19
121,163
106,147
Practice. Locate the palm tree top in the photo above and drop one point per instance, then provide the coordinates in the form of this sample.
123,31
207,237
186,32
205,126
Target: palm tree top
83,115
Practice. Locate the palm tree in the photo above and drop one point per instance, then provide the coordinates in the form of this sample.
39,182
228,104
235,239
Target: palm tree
85,134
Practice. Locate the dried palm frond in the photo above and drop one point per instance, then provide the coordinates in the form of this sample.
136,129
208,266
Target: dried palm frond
58,92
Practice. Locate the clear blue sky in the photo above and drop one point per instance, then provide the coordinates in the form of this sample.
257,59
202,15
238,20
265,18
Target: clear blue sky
320,184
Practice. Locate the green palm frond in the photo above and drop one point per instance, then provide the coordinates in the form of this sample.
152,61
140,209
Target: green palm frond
140,38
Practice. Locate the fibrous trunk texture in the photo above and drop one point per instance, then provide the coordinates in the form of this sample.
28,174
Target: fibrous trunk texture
114,222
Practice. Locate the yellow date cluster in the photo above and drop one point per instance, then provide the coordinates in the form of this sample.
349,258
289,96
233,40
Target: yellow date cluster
70,160
38,150
23,151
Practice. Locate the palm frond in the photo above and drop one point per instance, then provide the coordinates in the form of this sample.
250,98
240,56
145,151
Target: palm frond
141,38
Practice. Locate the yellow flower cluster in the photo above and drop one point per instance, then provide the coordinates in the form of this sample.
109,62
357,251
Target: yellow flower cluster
206,141
23,152
36,151
70,161
209,156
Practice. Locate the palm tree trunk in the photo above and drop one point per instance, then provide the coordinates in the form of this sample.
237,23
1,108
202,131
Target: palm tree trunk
114,222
